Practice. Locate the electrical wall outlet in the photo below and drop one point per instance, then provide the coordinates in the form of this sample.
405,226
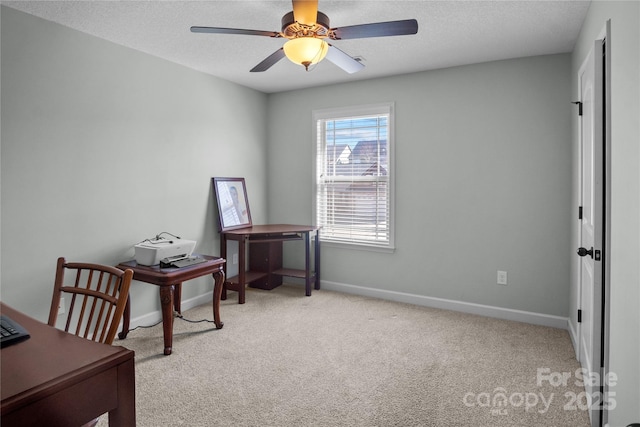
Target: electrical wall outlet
502,277
61,307
235,258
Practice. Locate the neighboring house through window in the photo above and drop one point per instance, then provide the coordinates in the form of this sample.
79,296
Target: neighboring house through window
353,175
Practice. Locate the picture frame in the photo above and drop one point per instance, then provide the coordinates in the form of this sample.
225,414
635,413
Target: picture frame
233,204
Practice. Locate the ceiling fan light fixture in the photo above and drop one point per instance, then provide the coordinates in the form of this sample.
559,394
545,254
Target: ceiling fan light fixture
306,51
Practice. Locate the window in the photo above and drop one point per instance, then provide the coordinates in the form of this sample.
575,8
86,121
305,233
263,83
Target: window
353,175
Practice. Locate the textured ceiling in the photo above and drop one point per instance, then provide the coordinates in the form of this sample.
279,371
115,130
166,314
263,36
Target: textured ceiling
450,33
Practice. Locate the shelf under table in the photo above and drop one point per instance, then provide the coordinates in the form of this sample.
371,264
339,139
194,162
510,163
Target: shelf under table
292,272
249,276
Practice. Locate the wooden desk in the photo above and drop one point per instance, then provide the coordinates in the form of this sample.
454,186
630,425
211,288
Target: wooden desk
265,263
169,280
56,379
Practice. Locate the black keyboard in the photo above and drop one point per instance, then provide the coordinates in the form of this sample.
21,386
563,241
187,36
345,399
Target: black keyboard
12,332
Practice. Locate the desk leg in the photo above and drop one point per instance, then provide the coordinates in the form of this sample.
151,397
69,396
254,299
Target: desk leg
177,298
218,280
125,413
126,317
316,263
242,252
307,265
166,301
223,254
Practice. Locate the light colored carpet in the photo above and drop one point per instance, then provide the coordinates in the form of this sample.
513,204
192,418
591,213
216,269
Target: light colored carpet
333,359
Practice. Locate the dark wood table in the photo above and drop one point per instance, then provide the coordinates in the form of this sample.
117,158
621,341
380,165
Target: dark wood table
57,379
265,257
169,280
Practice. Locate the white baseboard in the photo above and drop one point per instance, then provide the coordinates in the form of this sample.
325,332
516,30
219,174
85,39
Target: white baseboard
154,317
446,304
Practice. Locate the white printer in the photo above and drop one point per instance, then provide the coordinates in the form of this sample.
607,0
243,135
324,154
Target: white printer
151,251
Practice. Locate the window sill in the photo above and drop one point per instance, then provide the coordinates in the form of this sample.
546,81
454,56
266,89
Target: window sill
356,246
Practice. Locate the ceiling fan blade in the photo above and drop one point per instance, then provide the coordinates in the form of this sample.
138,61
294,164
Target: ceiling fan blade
378,29
219,30
343,60
269,61
305,11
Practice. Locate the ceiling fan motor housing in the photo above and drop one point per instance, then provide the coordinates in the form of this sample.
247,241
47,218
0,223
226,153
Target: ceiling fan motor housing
292,29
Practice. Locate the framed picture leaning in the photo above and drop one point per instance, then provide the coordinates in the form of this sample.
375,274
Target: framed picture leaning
233,205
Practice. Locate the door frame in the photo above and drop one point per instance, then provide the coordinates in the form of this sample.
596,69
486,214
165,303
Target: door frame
605,36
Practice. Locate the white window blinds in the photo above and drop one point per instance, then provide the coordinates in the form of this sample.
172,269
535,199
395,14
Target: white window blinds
353,174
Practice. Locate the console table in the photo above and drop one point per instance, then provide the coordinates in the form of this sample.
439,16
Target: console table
169,280
265,257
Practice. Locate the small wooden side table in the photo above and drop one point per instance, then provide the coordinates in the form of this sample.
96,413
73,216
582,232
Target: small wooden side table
169,280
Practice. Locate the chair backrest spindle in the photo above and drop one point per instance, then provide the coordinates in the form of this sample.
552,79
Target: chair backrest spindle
98,295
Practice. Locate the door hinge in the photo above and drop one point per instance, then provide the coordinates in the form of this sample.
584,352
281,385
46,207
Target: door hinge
579,212
579,316
579,107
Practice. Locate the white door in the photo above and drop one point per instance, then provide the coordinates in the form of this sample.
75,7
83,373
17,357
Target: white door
591,223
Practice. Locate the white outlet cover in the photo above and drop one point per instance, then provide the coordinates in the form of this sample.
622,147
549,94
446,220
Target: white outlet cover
502,277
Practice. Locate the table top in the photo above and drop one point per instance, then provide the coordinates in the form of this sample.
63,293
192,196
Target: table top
49,361
272,229
173,275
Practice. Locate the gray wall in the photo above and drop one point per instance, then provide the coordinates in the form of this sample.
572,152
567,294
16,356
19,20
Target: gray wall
483,174
103,146
624,50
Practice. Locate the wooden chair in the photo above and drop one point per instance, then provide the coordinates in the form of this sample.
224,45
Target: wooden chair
97,296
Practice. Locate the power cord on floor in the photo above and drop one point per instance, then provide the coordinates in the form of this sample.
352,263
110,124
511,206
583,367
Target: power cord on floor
178,315
145,326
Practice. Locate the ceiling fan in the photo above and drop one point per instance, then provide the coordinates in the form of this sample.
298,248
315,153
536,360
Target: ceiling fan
306,28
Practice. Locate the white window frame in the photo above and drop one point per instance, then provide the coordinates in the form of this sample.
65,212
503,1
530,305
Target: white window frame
319,116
